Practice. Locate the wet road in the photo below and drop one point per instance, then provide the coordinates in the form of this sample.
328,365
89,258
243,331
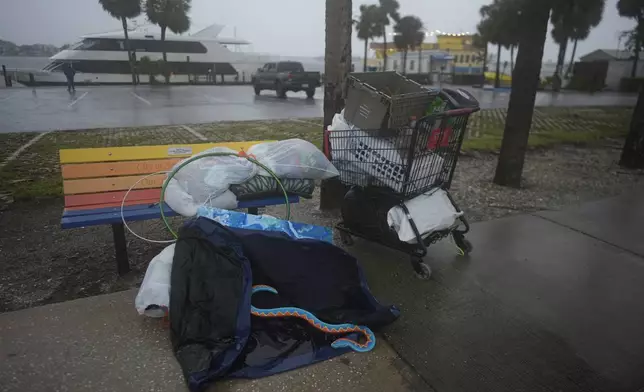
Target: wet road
52,108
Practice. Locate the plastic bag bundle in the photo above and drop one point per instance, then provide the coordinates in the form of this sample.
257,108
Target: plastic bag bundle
206,181
183,203
293,158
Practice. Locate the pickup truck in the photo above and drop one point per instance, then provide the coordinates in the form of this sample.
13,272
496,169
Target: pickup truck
285,76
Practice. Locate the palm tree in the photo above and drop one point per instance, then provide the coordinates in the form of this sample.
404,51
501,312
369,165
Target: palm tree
124,10
365,27
581,30
634,9
168,14
408,33
573,18
337,65
388,9
533,17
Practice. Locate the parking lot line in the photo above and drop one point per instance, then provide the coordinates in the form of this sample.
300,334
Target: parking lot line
140,98
22,148
78,99
195,133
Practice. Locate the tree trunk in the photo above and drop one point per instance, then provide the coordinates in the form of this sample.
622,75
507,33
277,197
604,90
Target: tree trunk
511,59
561,58
633,151
637,56
523,94
420,59
364,66
497,78
572,59
166,68
337,65
130,56
405,62
485,54
384,47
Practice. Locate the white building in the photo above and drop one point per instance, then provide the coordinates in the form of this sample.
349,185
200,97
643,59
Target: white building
619,64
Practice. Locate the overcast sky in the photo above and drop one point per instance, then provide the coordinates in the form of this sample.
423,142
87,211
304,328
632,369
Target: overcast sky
285,27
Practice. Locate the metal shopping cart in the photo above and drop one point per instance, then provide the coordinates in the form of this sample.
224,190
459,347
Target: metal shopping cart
386,168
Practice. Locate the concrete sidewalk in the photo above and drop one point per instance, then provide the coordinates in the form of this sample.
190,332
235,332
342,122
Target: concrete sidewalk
546,302
101,344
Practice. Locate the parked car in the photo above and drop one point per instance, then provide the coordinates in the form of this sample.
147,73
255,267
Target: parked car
285,76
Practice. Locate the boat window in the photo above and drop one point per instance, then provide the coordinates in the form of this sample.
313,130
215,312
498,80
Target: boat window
142,45
289,67
53,66
169,46
123,67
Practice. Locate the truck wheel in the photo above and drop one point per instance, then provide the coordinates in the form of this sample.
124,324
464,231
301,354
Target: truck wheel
257,90
310,93
279,90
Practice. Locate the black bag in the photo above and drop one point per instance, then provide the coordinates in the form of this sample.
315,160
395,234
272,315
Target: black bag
364,212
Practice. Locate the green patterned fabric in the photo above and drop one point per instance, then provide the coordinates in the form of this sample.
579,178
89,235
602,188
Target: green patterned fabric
261,186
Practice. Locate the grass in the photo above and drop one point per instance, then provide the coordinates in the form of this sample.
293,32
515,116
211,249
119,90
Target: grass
36,172
551,126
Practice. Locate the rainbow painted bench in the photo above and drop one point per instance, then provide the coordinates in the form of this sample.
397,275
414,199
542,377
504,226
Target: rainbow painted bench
95,181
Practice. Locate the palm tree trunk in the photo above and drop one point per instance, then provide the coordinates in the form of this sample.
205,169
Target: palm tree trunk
556,83
364,67
405,62
166,69
633,151
572,59
524,91
497,79
638,42
637,56
130,56
511,59
337,65
384,46
561,58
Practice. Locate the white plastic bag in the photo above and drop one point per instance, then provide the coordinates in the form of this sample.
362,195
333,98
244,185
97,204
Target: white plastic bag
293,158
155,289
209,177
430,212
181,202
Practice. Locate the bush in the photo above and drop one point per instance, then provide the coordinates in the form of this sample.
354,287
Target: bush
631,85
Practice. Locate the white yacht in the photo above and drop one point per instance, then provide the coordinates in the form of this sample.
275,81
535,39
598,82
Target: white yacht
102,58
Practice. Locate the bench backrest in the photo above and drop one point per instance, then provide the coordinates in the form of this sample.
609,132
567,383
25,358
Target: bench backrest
100,177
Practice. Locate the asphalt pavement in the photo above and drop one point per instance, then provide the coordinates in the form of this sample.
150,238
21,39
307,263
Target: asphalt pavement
53,108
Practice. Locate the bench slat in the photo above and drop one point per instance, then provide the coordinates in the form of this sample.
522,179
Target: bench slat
95,185
104,216
111,197
114,169
139,153
114,204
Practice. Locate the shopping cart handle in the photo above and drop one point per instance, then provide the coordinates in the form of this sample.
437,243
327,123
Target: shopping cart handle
461,112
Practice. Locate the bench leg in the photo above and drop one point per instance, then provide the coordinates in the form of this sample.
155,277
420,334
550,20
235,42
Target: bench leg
253,211
120,248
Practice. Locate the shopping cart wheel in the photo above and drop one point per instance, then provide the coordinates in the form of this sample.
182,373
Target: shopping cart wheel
346,238
422,270
462,242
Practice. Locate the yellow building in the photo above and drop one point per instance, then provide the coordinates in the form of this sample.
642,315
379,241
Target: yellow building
467,58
